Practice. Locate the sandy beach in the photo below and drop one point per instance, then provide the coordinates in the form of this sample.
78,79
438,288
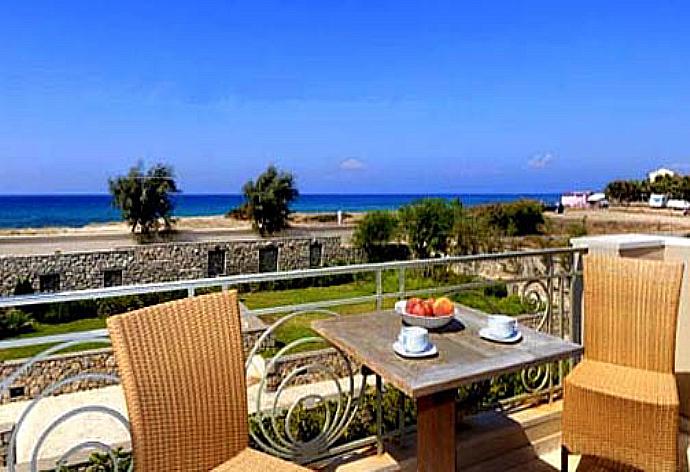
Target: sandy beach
187,223
632,219
624,219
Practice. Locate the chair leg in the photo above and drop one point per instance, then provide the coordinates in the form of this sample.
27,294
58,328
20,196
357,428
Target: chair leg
564,459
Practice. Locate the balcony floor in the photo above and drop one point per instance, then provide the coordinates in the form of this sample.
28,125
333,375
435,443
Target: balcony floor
527,440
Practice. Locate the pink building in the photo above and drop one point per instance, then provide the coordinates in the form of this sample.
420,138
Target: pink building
575,199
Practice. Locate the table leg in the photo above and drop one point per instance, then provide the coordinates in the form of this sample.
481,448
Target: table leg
379,415
436,432
401,418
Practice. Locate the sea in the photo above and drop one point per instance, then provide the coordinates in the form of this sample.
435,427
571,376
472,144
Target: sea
40,211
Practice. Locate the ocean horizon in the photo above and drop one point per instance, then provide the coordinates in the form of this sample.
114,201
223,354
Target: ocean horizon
77,210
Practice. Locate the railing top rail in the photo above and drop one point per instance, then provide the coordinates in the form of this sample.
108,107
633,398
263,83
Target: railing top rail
232,280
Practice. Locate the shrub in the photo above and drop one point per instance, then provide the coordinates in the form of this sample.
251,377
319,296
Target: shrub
577,229
518,218
64,312
116,305
268,200
101,462
14,322
473,234
427,225
239,213
374,232
498,291
23,287
306,422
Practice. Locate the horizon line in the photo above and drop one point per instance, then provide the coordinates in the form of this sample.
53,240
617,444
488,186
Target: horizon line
201,194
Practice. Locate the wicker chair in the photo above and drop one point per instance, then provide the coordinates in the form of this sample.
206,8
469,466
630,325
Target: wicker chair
621,402
182,370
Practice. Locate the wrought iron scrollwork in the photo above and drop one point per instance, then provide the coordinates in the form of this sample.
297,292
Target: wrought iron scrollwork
86,444
538,297
279,439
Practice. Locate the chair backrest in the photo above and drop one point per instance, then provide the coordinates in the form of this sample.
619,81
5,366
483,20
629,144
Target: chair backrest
631,311
182,370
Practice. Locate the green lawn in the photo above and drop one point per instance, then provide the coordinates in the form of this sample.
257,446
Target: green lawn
45,329
299,327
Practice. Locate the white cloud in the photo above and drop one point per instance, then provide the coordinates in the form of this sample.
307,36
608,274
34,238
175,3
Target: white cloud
351,163
539,161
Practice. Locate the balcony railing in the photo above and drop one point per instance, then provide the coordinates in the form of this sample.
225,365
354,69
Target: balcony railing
547,281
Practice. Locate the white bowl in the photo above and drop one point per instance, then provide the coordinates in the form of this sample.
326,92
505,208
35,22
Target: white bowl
429,322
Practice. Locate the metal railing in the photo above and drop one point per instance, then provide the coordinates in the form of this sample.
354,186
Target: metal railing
547,280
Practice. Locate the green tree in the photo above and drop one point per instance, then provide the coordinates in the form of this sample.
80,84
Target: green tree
144,197
427,225
374,232
267,201
617,191
667,185
626,191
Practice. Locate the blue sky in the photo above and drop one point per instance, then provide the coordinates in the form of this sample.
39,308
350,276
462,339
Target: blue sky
407,97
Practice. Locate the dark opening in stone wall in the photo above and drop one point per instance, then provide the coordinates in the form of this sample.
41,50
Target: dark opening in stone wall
315,253
268,259
216,263
49,283
112,278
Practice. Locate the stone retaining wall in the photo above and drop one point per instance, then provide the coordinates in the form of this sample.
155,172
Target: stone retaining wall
61,366
327,358
166,262
57,367
5,434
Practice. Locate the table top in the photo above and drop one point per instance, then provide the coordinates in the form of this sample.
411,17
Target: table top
463,357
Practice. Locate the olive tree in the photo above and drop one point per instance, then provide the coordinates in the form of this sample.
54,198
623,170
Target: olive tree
268,199
144,197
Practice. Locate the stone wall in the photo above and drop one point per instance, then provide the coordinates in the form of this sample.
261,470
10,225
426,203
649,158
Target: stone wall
61,366
5,434
163,262
328,358
55,368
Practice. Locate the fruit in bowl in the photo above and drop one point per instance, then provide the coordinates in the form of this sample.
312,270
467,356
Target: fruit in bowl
429,313
429,307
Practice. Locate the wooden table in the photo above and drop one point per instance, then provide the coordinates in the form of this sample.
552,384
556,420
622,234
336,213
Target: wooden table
463,358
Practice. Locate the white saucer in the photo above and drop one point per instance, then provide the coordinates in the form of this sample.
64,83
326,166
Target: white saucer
486,334
399,350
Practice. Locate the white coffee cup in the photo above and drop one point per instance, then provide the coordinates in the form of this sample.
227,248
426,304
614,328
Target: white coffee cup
502,326
414,338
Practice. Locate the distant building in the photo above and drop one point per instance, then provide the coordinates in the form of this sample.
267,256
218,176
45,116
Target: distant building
658,200
660,172
575,199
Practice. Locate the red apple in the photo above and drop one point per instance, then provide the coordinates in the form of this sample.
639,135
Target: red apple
411,303
418,309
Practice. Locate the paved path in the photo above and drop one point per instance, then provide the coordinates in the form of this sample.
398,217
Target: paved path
49,244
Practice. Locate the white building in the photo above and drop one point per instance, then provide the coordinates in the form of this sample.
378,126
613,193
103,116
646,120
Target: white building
658,200
660,172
